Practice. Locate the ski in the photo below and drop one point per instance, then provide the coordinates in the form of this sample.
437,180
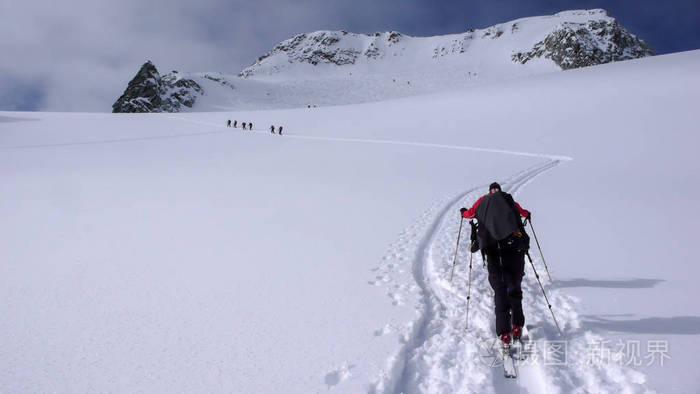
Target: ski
509,370
522,347
518,350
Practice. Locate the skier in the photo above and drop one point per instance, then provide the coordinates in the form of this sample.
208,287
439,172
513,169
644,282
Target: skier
280,130
228,124
235,123
502,238
250,126
272,129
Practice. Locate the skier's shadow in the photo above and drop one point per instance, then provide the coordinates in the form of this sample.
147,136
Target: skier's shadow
609,284
682,325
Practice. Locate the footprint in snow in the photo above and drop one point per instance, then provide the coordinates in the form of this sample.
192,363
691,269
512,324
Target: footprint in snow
336,376
396,299
383,278
387,329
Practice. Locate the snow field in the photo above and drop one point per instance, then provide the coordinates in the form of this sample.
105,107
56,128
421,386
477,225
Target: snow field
148,253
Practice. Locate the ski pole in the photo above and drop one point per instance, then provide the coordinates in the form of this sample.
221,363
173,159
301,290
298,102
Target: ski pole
543,293
459,234
538,247
469,285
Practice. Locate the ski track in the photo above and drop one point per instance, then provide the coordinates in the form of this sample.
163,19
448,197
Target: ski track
440,356
404,143
437,356
256,132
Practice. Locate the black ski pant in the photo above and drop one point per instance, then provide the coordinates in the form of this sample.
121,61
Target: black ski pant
506,269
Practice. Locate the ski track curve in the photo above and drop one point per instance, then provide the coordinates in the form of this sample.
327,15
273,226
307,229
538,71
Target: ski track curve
437,358
440,356
225,130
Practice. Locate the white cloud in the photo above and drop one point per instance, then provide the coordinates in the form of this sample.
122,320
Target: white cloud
80,54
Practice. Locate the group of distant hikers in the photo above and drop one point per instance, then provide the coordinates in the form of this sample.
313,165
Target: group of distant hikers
249,125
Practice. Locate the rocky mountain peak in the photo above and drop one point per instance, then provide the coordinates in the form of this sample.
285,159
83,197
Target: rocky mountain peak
149,92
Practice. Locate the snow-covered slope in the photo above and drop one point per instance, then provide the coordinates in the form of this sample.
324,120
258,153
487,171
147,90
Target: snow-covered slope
355,68
169,253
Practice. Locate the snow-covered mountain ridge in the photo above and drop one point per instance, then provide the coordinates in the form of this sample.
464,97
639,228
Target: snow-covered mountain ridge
391,64
571,39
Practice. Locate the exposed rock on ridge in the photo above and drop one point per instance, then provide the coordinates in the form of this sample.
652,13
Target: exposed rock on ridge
575,45
325,47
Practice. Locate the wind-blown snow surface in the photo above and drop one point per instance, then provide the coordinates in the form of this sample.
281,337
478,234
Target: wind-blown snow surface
165,252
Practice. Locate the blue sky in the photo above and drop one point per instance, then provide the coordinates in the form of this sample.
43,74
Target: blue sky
668,26
78,55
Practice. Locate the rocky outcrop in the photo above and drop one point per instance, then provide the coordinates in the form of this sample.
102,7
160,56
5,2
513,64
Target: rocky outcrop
329,47
149,92
315,48
574,45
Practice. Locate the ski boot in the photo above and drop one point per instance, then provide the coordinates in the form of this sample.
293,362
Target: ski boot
505,338
517,333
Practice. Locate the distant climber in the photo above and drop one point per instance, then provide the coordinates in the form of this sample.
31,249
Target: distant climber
243,126
250,126
272,129
228,124
280,130
235,123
